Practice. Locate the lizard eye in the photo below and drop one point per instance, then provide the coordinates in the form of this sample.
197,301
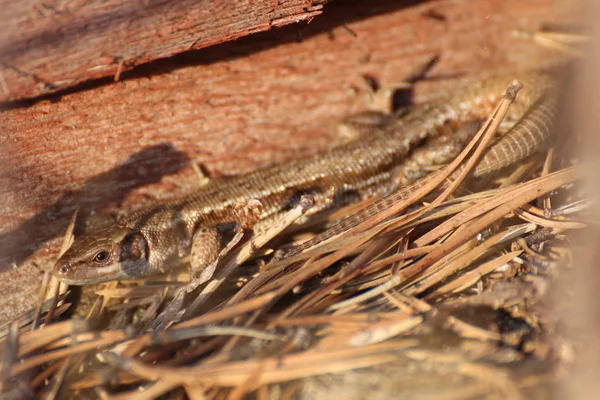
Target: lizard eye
101,257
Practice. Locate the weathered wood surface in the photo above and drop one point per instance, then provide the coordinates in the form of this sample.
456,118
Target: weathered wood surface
54,45
231,107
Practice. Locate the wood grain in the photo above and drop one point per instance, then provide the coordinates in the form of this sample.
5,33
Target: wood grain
57,44
232,107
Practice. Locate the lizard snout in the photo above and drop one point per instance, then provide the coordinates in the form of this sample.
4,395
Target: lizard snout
61,269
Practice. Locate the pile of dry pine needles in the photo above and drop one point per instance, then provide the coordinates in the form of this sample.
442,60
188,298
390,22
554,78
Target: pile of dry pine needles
443,291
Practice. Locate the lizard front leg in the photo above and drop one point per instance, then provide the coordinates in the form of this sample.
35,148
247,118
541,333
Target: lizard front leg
206,246
207,242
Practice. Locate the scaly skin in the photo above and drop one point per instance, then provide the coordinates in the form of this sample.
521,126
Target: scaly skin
527,137
155,240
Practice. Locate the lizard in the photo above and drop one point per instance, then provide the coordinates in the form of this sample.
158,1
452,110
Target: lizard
157,239
525,138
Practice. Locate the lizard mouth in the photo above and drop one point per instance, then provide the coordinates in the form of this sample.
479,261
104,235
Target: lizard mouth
79,275
74,275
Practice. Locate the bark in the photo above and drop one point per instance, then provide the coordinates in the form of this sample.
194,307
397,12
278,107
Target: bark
54,45
231,107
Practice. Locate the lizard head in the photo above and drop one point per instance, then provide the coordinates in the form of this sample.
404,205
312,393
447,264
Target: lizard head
103,255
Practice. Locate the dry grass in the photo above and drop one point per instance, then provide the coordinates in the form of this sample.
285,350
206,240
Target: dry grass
450,288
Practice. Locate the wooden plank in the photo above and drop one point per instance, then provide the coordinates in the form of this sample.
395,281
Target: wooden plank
265,98
54,45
